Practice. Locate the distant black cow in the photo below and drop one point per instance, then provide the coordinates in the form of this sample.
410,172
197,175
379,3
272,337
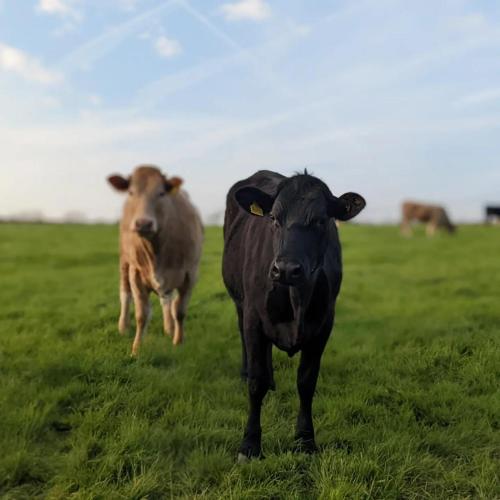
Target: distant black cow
282,267
492,214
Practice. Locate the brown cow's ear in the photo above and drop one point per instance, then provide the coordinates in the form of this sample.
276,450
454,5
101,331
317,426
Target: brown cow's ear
173,185
119,182
254,201
346,207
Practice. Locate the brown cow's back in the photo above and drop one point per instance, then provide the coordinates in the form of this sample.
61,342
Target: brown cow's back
434,215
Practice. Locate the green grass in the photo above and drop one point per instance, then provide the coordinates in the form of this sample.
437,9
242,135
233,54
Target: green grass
407,404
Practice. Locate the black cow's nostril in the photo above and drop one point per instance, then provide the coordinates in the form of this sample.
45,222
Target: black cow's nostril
275,272
296,271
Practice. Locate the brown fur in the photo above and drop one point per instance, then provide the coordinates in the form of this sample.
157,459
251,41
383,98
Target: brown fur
165,260
433,215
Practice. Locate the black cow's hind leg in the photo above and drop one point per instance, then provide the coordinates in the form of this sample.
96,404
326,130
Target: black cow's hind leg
307,376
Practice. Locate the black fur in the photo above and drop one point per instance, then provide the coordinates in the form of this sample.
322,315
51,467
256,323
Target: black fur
282,267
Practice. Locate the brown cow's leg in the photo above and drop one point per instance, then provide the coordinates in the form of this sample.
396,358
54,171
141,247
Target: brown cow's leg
179,309
168,319
307,377
431,229
142,310
406,228
125,298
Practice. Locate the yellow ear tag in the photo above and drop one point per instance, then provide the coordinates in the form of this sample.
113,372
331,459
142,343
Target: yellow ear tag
256,210
174,190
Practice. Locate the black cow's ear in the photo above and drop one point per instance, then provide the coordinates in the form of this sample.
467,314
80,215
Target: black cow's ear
254,201
119,182
346,207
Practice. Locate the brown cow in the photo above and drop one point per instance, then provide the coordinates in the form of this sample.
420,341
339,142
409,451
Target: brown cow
161,236
435,217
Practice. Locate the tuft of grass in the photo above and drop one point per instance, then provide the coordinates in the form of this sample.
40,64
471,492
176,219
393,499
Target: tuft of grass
407,406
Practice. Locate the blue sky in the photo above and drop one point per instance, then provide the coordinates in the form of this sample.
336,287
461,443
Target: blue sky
390,98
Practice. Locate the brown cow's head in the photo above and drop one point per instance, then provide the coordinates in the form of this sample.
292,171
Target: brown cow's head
149,196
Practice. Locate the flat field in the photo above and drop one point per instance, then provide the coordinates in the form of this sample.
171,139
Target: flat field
407,407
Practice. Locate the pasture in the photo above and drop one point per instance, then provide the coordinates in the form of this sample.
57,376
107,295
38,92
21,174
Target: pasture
407,404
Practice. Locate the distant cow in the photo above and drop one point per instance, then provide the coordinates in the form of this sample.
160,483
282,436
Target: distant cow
161,236
492,214
434,216
282,267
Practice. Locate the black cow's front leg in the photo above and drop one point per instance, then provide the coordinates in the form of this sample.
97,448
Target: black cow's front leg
307,376
244,369
258,385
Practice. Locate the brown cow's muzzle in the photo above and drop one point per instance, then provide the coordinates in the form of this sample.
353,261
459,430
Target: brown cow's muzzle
144,227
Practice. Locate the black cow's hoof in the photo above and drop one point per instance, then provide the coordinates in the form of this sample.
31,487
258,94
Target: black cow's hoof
306,446
249,452
242,459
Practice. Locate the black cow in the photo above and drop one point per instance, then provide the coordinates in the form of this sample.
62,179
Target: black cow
492,214
282,267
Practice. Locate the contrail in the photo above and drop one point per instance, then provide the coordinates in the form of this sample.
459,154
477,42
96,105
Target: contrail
268,75
85,55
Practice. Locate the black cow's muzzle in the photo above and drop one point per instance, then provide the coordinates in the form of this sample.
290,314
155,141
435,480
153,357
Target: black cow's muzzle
287,272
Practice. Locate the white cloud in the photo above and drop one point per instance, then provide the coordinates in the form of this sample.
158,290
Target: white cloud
16,61
53,6
478,98
254,10
95,100
167,47
469,23
63,8
128,5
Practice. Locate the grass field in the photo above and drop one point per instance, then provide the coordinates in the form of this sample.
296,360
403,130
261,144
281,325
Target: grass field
407,404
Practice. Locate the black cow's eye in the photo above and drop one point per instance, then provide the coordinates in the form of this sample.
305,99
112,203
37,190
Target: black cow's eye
274,219
162,193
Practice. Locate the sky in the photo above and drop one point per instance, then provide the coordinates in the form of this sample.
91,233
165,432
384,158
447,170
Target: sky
392,99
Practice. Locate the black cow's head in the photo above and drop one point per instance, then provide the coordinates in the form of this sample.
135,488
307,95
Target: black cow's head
302,210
